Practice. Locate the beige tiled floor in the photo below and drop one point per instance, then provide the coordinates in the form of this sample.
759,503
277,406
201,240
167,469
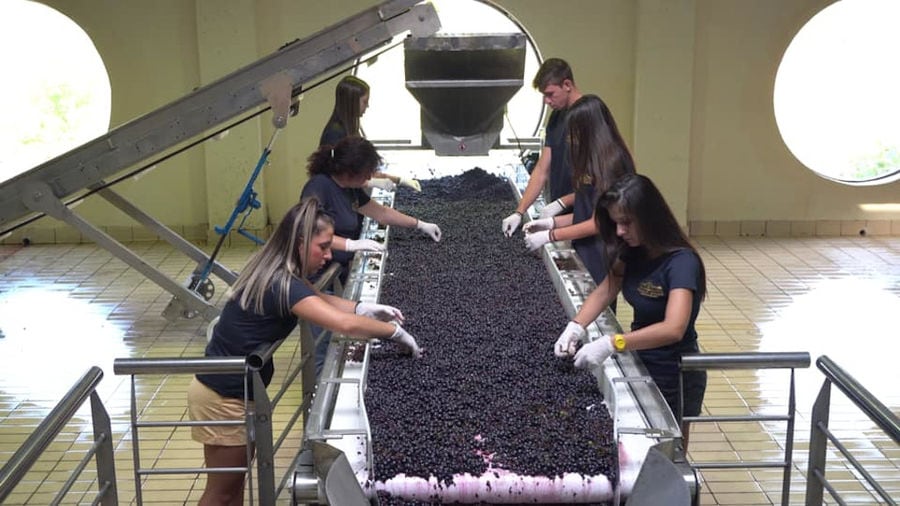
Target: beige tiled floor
65,308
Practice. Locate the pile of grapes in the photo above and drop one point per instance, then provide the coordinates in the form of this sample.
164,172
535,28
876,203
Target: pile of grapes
488,392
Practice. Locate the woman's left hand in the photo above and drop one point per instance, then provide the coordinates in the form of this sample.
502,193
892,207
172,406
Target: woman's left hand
381,312
595,353
411,183
429,229
537,239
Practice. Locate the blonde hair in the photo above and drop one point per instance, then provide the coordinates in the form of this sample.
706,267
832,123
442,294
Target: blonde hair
279,260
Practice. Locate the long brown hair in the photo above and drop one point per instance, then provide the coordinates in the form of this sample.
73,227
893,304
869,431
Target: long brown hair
346,103
641,200
599,154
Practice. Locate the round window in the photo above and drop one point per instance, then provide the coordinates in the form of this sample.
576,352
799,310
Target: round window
836,100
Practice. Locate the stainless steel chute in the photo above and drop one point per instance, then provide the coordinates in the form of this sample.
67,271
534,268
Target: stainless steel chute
462,84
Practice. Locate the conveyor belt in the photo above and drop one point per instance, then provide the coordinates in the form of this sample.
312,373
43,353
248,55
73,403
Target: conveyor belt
642,419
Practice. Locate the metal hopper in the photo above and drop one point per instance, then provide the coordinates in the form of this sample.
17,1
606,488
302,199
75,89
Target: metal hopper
462,83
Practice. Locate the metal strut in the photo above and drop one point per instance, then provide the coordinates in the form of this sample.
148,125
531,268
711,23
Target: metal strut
245,204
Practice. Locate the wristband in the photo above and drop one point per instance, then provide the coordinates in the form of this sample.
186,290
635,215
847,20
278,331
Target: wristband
551,235
619,342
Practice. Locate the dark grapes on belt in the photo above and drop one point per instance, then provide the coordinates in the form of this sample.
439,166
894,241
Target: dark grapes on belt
488,397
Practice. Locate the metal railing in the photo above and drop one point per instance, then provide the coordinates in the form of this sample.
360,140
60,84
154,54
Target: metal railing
820,435
706,361
33,447
258,414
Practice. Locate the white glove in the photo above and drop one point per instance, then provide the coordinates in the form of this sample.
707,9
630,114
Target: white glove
537,239
381,312
565,345
383,183
363,245
595,353
406,340
511,223
538,225
429,229
552,209
411,183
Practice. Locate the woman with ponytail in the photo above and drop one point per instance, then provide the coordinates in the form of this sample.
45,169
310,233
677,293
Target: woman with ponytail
266,301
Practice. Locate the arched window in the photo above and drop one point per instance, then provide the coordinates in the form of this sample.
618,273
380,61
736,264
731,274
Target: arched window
836,99
55,93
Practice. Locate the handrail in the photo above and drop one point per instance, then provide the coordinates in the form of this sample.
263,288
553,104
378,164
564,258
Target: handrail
754,360
39,440
749,360
861,397
178,365
820,435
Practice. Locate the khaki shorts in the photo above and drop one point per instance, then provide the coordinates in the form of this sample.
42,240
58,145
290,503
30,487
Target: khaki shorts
205,403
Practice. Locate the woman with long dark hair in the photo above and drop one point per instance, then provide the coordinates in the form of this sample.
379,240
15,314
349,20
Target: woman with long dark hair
351,99
600,157
266,301
661,275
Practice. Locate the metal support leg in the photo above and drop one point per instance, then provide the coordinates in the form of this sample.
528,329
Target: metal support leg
193,252
39,197
818,445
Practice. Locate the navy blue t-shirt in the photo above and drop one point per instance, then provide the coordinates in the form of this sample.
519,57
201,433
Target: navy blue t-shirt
342,204
590,249
239,332
646,287
560,165
333,132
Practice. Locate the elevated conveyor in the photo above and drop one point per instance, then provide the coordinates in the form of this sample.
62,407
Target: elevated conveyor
271,81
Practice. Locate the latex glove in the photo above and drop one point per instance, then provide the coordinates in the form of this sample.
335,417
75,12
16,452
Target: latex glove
595,353
383,183
381,312
429,229
511,223
363,245
537,239
565,345
552,209
406,340
538,225
411,183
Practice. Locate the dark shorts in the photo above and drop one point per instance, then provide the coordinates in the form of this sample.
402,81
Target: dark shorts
694,389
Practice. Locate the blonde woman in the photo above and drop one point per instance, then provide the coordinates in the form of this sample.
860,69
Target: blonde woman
267,300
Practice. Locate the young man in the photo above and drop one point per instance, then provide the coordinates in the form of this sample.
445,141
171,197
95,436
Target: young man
555,81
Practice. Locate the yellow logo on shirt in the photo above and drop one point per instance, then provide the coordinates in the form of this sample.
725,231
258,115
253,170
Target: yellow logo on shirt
649,289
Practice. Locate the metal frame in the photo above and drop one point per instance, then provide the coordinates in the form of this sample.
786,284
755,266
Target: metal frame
819,435
705,361
45,433
42,189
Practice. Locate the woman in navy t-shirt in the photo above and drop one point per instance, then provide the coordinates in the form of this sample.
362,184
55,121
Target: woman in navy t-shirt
351,99
337,176
658,271
268,298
